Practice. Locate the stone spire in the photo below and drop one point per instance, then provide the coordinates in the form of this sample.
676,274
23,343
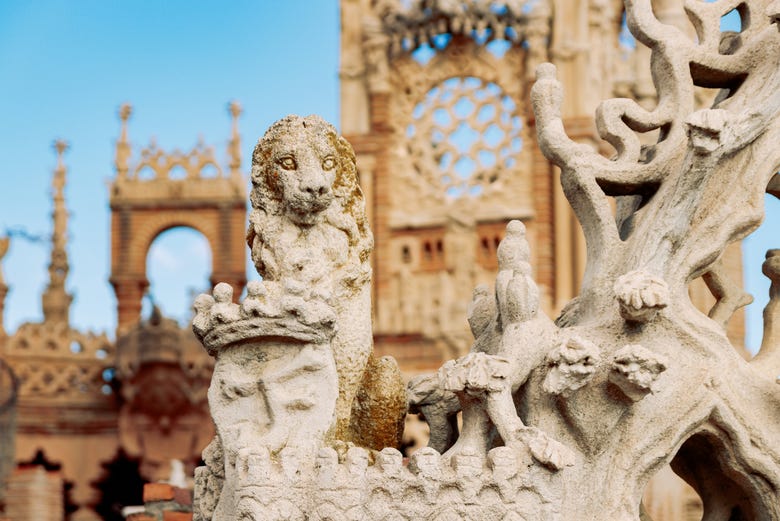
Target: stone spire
234,145
122,144
56,301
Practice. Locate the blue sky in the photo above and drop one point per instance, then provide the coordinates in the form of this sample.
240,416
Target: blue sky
66,67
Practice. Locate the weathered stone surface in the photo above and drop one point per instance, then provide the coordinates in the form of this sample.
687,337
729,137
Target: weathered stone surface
565,420
308,228
323,488
294,371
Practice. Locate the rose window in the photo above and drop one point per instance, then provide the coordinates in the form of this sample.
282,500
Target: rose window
464,136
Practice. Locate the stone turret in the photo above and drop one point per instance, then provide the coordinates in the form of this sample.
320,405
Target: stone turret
56,300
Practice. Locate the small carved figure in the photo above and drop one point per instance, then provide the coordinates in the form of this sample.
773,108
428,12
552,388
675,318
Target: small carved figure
510,347
308,228
635,371
571,366
641,296
388,478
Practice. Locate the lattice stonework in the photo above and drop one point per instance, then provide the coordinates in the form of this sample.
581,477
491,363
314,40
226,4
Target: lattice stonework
464,136
56,364
460,139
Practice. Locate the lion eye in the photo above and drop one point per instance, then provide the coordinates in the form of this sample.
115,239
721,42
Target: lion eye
288,163
329,163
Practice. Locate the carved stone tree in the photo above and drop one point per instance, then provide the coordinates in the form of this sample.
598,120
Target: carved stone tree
631,376
564,420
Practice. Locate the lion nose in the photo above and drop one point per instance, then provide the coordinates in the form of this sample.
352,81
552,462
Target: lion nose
315,189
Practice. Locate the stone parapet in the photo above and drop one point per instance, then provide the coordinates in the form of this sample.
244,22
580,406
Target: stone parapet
429,487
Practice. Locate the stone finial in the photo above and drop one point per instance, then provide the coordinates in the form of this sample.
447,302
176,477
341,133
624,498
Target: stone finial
122,145
234,145
56,301
61,146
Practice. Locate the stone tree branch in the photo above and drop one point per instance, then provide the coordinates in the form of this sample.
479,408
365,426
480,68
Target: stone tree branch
682,219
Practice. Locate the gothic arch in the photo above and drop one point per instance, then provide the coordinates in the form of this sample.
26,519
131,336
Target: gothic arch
149,232
135,225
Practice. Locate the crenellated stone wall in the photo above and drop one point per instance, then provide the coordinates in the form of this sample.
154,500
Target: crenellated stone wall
287,486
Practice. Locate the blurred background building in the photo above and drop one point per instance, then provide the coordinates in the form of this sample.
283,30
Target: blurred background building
435,100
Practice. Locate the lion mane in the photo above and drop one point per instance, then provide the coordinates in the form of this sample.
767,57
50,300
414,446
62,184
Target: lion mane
300,226
346,211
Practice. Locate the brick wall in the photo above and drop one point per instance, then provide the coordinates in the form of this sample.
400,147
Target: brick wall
164,502
35,493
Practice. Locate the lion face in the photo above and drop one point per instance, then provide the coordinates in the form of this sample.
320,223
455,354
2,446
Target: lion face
304,171
304,174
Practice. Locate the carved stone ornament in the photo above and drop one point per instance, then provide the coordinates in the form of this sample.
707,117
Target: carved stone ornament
162,375
411,24
294,370
566,421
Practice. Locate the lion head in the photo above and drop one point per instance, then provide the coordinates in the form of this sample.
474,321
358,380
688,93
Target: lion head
304,173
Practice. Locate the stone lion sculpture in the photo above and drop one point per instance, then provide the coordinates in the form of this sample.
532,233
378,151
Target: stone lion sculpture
308,230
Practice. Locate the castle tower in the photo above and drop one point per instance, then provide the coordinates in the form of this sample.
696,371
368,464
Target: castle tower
435,99
66,409
147,198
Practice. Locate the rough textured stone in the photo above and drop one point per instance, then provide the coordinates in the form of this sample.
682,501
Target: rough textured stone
308,229
692,400
561,420
294,370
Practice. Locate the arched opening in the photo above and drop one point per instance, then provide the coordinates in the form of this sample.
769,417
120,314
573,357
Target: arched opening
209,171
732,21
177,173
722,481
120,485
146,173
178,266
705,461
668,496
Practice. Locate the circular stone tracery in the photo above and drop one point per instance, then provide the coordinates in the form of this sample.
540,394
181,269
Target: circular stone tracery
464,135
